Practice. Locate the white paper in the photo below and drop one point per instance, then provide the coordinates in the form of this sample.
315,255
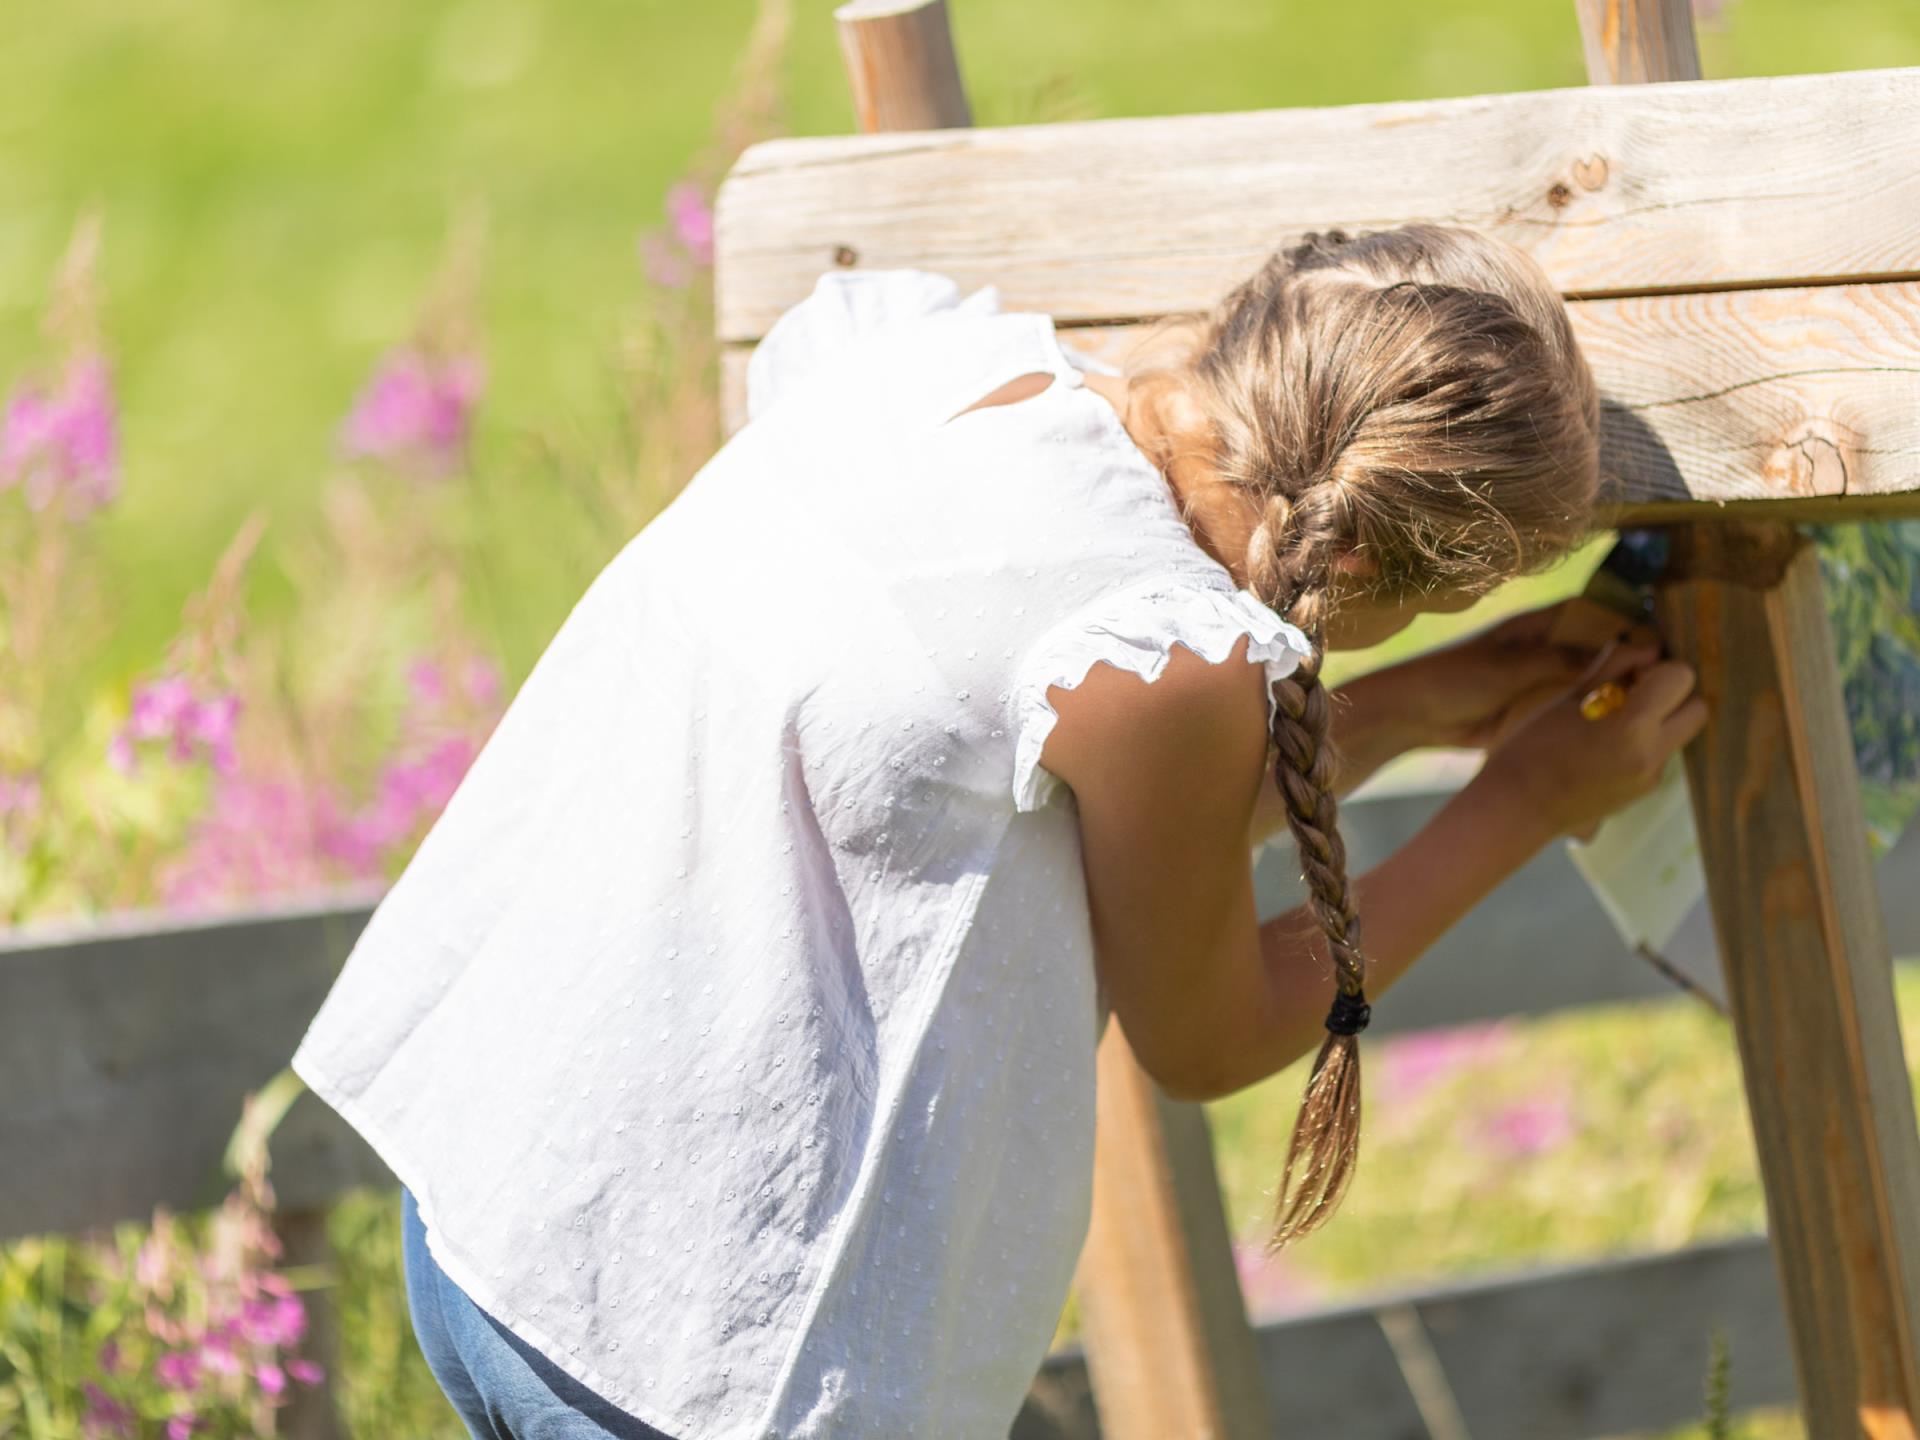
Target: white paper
1644,862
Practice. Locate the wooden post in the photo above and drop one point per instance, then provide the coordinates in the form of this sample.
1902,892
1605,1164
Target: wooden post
901,65
310,1413
1776,797
1169,1347
1810,981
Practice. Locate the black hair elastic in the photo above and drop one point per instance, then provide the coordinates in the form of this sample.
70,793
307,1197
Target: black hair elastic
1350,1013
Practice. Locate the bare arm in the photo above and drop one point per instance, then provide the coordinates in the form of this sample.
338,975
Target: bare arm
1165,777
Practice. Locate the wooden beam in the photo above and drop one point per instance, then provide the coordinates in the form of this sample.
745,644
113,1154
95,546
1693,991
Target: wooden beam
901,65
1167,1338
1635,42
1565,1352
1188,1361
1808,975
1805,401
1769,181
1803,955
1776,798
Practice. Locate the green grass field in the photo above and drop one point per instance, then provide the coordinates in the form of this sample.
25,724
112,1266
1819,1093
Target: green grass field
276,183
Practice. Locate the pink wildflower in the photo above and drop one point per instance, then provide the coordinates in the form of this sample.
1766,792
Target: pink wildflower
218,1357
260,835
19,806
426,681
1420,1060
271,1378
306,1372
104,1415
64,443
178,1370
166,709
415,406
181,1426
692,220
1529,1127
482,680
274,1323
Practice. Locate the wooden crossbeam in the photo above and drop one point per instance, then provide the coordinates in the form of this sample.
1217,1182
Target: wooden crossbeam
1803,400
1616,190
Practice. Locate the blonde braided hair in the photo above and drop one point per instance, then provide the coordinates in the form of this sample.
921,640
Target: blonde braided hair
1414,396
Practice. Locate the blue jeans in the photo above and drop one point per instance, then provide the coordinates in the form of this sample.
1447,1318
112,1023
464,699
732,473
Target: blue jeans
501,1386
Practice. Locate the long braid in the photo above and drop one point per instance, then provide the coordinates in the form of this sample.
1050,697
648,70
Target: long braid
1412,396
1291,554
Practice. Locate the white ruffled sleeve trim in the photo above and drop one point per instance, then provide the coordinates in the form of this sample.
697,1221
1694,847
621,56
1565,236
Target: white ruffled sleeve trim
1135,628
843,306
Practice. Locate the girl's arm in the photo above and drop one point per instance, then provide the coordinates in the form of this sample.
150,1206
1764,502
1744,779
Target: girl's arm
1165,777
1468,694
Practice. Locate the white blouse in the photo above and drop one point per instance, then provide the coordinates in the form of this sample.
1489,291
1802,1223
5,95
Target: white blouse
734,1025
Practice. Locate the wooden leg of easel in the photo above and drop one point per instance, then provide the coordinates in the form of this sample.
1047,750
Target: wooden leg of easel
1810,982
1169,1348
310,1413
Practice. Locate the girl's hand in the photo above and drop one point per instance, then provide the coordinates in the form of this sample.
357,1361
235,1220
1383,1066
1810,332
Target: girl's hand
1567,773
1477,692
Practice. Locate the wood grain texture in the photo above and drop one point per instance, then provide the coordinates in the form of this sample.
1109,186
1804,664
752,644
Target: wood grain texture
1804,400
901,65
1167,1337
1634,42
1776,801
1615,189
1808,974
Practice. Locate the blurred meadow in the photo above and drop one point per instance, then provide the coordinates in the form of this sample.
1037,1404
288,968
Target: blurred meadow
342,345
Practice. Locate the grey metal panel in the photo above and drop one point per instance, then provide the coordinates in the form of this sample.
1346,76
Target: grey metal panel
1617,1346
125,1051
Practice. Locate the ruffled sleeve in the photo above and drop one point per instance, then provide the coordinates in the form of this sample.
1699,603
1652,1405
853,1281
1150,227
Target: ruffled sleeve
843,306
1135,628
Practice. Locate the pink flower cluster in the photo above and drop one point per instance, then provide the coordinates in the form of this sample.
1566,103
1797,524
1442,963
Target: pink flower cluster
410,792
167,709
1415,1062
216,1334
265,834
20,800
63,444
415,408
1530,1127
687,244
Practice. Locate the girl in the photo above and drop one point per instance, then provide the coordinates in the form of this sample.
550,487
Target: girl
732,1032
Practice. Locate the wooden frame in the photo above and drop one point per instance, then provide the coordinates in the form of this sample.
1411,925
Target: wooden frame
1746,293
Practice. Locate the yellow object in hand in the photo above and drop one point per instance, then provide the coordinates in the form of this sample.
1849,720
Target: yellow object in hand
1603,700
